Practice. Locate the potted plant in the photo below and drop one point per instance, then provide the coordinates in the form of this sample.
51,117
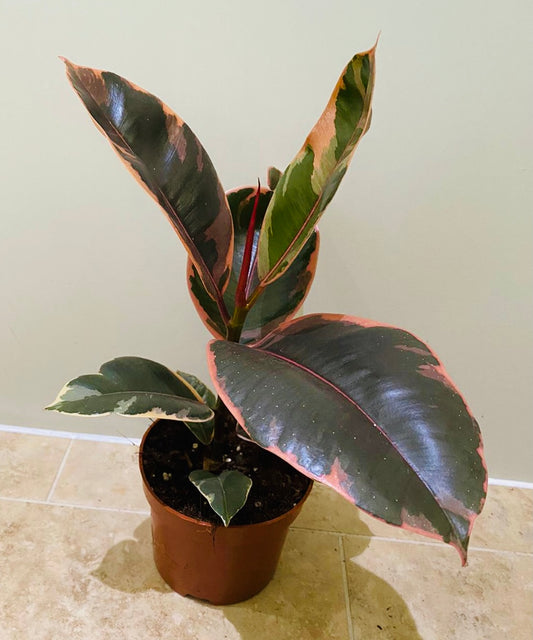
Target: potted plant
361,406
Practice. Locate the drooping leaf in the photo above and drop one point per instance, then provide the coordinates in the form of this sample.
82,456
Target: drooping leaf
167,159
280,300
226,493
366,409
310,181
132,386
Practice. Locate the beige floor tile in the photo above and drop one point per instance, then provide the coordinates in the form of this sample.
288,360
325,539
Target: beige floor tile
85,574
326,510
29,464
100,474
506,522
404,591
305,600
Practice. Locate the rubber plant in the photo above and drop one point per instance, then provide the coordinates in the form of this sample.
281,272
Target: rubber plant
361,406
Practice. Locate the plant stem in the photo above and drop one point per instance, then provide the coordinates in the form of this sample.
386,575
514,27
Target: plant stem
225,426
225,423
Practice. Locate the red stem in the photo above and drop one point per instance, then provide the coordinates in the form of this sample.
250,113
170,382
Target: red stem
240,294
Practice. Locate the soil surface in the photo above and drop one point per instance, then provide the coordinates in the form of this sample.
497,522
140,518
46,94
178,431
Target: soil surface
171,452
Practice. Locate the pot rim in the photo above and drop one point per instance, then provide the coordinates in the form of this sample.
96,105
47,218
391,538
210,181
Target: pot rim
204,523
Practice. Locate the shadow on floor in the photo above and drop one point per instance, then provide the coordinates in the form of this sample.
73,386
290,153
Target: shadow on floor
128,566
377,609
296,604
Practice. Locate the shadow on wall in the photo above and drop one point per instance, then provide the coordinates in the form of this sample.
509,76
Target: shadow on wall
305,600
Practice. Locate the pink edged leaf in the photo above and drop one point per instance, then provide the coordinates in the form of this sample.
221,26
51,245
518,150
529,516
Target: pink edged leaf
278,301
310,181
167,159
366,409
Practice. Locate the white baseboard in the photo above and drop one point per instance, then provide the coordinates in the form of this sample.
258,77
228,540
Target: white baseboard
71,435
517,484
96,437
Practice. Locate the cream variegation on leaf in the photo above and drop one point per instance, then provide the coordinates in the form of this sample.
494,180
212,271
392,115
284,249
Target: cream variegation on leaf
311,179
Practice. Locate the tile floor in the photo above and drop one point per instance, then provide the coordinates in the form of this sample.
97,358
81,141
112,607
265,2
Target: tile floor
75,562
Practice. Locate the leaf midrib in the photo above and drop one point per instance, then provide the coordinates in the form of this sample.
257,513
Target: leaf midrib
313,209
192,247
372,421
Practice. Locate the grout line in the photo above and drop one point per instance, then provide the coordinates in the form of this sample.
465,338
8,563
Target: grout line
426,543
526,554
346,592
440,544
76,506
59,471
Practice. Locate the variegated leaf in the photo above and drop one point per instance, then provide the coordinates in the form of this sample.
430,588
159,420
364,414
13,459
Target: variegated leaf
167,159
132,386
310,181
366,409
204,392
280,300
226,493
204,431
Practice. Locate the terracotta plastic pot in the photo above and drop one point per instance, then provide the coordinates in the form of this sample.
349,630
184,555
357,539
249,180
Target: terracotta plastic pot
222,565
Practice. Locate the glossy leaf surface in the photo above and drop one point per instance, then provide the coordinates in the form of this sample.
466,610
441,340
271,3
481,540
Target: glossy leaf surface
132,386
165,156
366,409
226,493
280,300
199,387
311,180
204,431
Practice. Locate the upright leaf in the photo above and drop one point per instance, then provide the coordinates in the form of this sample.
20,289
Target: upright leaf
312,178
367,409
165,156
280,300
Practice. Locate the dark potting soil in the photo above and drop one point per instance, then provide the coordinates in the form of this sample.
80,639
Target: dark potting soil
171,452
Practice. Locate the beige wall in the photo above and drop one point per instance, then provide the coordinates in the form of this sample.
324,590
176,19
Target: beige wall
431,229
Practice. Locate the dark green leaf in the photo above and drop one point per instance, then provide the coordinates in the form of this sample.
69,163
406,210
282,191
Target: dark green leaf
273,177
167,159
367,409
279,301
204,431
133,386
205,393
